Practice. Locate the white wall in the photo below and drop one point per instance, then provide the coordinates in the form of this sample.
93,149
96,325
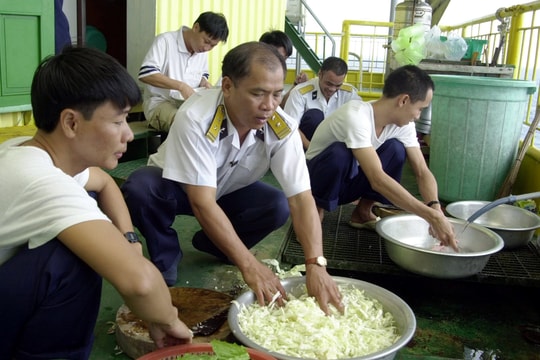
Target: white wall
70,9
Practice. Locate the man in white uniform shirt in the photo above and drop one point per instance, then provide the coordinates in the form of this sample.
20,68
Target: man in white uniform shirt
222,142
310,102
176,65
364,146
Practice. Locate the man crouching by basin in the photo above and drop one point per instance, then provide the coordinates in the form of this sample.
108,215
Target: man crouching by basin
365,145
221,144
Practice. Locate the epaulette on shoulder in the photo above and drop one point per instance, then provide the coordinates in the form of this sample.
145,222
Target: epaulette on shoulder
347,87
305,89
279,126
215,127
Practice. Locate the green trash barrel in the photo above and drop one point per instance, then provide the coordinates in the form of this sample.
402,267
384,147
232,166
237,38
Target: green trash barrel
476,125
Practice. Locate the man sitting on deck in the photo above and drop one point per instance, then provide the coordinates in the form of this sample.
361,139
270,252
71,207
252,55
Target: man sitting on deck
310,102
176,65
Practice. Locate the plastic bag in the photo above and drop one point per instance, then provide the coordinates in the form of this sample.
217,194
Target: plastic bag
455,48
439,47
409,47
435,47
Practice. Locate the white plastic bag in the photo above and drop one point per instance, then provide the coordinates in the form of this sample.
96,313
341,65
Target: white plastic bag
435,47
455,48
452,48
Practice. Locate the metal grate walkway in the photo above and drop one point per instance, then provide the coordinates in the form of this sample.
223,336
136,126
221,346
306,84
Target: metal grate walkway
362,251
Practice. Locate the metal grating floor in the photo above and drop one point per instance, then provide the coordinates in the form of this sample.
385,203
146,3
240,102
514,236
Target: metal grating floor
352,250
124,169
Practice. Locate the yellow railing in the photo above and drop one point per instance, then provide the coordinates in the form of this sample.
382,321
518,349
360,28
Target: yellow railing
369,45
520,45
364,44
365,49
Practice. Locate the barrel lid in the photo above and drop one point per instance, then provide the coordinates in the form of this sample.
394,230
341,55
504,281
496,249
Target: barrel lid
484,81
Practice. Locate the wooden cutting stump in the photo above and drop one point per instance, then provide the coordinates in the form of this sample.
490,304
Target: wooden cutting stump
194,305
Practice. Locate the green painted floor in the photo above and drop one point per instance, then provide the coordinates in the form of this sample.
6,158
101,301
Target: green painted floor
455,320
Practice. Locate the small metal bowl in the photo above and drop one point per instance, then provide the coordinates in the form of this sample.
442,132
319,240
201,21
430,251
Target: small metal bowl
515,225
402,313
409,245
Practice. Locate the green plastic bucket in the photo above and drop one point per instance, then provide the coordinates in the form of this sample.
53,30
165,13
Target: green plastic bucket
475,130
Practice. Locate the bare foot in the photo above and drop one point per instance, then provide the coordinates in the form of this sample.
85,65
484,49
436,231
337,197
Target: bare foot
362,212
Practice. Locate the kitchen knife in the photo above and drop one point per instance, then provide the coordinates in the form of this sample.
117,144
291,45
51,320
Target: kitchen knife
211,325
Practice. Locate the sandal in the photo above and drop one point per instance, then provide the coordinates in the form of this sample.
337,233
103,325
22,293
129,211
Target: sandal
368,225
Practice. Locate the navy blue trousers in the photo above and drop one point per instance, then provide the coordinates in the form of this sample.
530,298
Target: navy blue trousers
336,177
49,302
154,202
309,122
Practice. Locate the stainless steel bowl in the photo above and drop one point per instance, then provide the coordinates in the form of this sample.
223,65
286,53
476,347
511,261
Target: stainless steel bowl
402,313
409,245
515,225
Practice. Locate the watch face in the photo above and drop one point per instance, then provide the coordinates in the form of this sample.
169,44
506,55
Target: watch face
321,260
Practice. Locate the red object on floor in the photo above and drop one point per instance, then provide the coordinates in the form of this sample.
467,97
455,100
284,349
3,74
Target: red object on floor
172,353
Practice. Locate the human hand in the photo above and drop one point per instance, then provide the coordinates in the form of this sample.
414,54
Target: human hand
168,335
205,84
300,78
186,90
321,285
264,283
442,230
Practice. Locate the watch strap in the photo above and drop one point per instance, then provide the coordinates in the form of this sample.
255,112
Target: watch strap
318,260
132,237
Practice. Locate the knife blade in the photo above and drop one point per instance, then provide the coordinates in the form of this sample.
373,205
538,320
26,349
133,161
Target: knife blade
209,326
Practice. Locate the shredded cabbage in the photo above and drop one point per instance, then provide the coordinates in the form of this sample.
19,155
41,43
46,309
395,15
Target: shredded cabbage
283,274
301,329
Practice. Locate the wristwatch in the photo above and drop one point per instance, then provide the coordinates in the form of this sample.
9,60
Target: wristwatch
319,260
132,237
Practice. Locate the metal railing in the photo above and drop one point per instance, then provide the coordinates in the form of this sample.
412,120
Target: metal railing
365,50
512,35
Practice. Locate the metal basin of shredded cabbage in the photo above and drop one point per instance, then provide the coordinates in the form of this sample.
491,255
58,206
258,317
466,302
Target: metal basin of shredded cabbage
375,325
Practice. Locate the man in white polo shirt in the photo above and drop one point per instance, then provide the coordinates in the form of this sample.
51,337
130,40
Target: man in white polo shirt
176,65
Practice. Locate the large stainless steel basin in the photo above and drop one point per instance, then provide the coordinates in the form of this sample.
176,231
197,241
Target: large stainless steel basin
409,245
515,225
401,312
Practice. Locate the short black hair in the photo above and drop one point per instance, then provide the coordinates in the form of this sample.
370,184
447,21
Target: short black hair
337,65
410,80
238,62
278,39
214,24
82,79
